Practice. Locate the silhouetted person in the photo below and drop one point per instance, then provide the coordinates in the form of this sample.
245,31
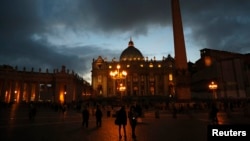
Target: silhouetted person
121,118
64,108
32,111
213,114
132,115
98,115
85,117
138,109
174,111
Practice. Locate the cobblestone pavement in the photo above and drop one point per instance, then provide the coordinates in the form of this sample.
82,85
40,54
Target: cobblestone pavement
54,126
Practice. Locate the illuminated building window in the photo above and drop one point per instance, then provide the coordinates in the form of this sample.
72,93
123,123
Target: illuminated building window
110,67
151,65
208,61
170,77
128,65
141,65
159,65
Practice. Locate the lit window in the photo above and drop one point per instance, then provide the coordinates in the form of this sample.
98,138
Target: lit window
141,65
208,61
159,65
170,77
110,67
151,65
128,65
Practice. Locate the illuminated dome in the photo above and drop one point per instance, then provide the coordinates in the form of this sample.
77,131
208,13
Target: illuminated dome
131,53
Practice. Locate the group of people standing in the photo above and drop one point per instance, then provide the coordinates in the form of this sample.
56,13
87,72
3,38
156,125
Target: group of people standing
121,120
86,114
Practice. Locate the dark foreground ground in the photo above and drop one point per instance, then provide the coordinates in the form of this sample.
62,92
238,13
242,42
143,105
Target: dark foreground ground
49,125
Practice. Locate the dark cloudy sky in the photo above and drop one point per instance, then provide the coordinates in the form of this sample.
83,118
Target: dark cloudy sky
51,33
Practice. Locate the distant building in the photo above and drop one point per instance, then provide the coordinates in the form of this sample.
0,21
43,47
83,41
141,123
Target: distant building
229,71
24,86
133,75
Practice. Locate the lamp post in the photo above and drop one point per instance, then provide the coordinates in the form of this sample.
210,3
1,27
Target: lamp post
119,75
65,96
213,86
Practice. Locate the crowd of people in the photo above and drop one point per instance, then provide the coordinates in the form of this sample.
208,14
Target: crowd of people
129,114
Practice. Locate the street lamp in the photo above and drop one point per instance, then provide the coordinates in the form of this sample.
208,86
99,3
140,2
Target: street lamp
65,96
122,88
119,75
213,86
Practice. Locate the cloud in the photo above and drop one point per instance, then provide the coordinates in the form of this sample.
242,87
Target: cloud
218,24
48,34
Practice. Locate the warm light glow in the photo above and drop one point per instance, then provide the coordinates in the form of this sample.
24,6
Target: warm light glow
151,65
212,86
118,66
117,74
124,73
208,61
122,88
61,98
170,77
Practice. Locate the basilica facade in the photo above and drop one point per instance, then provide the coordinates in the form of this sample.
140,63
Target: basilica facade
133,75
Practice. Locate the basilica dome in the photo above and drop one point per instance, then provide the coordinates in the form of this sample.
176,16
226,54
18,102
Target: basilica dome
131,53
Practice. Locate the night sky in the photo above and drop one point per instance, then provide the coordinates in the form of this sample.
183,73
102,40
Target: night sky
51,33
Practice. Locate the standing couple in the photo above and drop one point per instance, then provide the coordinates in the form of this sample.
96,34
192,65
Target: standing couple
121,120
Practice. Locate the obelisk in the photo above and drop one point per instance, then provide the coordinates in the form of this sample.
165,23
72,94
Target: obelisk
182,85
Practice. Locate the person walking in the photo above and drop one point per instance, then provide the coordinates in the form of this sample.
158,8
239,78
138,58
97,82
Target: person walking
85,117
133,115
121,121
98,115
